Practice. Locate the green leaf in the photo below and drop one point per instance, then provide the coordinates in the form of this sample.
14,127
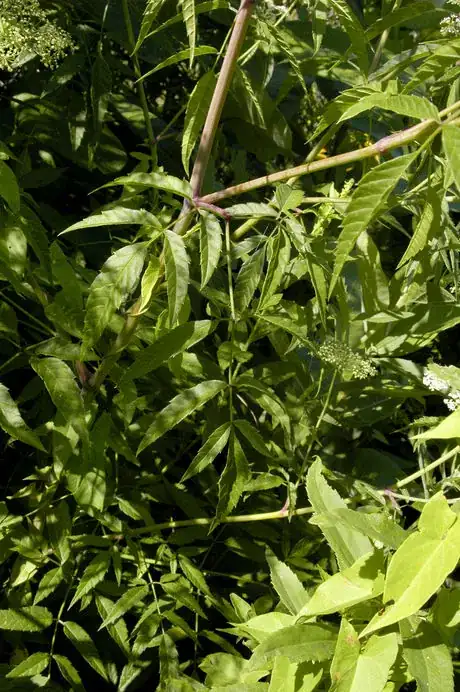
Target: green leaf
195,115
411,106
366,202
118,631
283,675
253,437
376,526
360,582
177,273
167,346
372,667
428,659
286,584
150,278
69,673
13,248
32,665
447,429
451,146
399,16
129,599
210,246
345,658
248,279
12,422
278,256
9,188
213,446
354,30
27,619
85,646
48,584
250,210
159,181
92,576
188,11
118,216
232,480
64,392
298,643
179,57
436,64
348,545
421,564
180,407
426,227
150,13
118,278
177,587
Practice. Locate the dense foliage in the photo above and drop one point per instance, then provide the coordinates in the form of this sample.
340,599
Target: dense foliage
229,389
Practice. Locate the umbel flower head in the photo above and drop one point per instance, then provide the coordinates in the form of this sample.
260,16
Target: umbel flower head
344,359
444,380
25,30
450,26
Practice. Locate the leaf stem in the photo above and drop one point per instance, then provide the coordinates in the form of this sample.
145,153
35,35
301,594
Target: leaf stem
428,468
140,85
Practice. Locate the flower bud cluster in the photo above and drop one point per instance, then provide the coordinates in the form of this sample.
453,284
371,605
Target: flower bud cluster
450,26
344,359
26,30
440,386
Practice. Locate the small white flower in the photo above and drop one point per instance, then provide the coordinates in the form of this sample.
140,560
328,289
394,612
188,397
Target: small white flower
435,383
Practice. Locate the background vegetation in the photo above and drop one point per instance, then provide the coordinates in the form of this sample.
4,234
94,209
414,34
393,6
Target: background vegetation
230,424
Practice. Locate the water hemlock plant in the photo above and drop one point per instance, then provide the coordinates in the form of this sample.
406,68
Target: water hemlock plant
230,365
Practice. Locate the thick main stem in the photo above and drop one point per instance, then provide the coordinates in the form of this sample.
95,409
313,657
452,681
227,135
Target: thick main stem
391,142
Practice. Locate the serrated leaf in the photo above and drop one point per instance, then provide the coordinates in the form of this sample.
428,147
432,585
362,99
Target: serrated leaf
253,437
27,619
167,346
178,588
421,564
195,115
278,256
212,447
354,30
129,599
118,631
248,279
114,284
250,210
286,584
428,659
416,107
118,216
372,667
298,643
347,544
188,11
159,181
183,405
151,10
32,665
360,582
48,584
9,188
85,646
177,273
92,576
232,480
366,202
12,422
376,526
180,56
427,226
437,63
64,392
345,657
150,278
451,146
210,246
447,429
69,673
399,16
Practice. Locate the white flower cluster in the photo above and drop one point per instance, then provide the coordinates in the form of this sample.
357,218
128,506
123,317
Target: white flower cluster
437,384
343,358
450,26
25,29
